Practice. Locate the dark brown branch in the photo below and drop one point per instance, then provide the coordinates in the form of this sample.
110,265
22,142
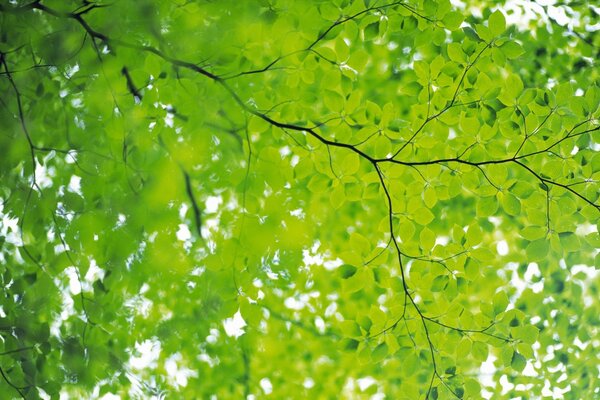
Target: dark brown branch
195,208
137,95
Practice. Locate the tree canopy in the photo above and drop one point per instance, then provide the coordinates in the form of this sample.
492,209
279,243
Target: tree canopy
299,199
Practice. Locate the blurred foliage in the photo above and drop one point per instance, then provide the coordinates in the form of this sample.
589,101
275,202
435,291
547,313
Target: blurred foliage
385,194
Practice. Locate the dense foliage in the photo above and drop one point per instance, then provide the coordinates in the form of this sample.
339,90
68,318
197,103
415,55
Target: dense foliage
299,199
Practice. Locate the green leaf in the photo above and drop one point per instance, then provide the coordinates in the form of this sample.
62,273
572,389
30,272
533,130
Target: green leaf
341,49
507,356
480,351
299,168
380,352
514,86
564,93
486,206
500,302
512,49
411,363
474,235
251,313
350,164
484,32
472,388
483,254
439,283
518,362
427,238
453,20
569,241
456,54
464,348
371,31
423,216
511,205
350,329
338,196
537,250
319,183
347,271
497,23
359,60
333,100
430,197
355,282
329,12
527,334
532,233
434,393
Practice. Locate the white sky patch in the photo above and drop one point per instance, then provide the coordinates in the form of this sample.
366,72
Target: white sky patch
308,259
72,71
586,229
365,383
529,370
67,309
295,160
71,157
183,210
149,351
285,151
211,205
179,373
442,240
76,102
297,213
333,264
331,309
183,234
169,119
533,271
486,375
75,184
591,274
80,123
294,304
515,279
553,391
74,284
502,248
142,306
308,383
43,176
94,272
213,337
121,219
559,14
320,324
266,385
9,229
234,327
110,396
521,12
506,385
575,150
